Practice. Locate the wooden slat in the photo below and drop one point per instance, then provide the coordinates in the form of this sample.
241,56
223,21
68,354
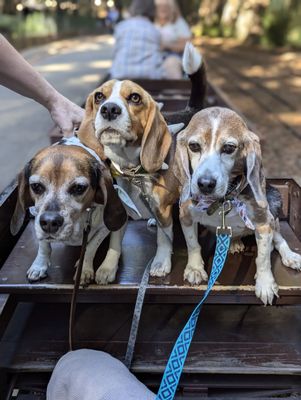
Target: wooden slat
228,340
236,282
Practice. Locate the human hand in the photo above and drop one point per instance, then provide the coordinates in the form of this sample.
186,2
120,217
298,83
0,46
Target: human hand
65,114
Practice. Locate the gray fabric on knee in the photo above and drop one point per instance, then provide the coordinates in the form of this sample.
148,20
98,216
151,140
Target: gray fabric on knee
94,375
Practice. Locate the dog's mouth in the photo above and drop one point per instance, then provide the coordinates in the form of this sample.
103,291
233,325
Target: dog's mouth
234,187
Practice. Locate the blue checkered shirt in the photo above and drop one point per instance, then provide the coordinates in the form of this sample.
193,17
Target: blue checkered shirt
137,50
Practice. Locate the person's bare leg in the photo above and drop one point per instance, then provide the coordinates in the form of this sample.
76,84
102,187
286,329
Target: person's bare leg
172,66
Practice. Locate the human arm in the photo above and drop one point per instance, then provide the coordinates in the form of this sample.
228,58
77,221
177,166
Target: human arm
18,75
176,46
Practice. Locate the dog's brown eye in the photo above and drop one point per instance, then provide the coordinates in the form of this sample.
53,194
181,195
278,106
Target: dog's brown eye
135,98
77,189
195,147
228,148
37,188
98,97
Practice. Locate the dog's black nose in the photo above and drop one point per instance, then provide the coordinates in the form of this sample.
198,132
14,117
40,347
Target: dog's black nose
206,184
51,221
110,111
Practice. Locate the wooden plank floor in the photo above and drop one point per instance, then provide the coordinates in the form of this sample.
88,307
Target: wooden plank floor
235,284
229,340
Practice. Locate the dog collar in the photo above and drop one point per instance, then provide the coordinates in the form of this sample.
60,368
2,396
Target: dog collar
232,192
131,172
74,141
204,204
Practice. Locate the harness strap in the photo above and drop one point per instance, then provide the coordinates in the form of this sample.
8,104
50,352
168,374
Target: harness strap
180,350
86,231
136,317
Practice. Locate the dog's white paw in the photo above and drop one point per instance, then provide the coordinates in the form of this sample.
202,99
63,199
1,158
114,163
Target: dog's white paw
151,223
37,272
106,273
195,274
266,287
87,275
292,260
160,266
237,246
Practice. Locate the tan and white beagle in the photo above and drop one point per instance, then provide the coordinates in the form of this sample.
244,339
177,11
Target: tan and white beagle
124,121
221,158
61,182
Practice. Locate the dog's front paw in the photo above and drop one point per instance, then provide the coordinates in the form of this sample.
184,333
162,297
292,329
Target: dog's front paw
37,272
87,275
160,266
106,273
195,274
151,223
292,260
266,287
237,246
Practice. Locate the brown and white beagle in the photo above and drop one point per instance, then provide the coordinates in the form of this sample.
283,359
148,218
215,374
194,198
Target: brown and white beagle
221,158
125,121
61,182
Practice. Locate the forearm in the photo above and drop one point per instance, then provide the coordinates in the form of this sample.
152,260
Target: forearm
18,75
177,46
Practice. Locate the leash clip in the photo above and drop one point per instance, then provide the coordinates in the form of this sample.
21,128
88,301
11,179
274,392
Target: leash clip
223,229
89,218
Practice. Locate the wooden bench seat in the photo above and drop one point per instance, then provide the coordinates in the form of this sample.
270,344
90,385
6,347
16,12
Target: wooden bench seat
235,284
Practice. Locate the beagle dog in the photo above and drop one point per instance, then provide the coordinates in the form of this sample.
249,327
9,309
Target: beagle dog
221,159
61,182
124,122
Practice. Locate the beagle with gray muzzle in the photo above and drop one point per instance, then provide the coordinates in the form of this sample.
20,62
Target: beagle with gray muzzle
60,183
221,159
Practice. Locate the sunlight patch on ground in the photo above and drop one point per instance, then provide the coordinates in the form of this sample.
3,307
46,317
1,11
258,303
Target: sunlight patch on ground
100,64
255,71
272,84
291,118
91,78
55,67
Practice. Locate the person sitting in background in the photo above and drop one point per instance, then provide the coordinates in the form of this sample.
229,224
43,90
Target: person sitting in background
175,32
137,48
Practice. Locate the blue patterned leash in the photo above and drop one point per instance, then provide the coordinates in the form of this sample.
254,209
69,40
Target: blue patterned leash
177,358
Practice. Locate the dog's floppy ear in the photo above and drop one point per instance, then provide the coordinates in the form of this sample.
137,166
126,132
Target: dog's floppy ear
156,140
114,215
183,173
254,172
24,200
86,131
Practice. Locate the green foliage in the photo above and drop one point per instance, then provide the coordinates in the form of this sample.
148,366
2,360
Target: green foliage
7,22
281,23
35,25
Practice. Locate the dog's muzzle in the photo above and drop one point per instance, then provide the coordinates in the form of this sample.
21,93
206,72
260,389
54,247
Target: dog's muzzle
51,221
110,111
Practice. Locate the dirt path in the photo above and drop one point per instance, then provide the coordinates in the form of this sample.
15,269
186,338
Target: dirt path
266,87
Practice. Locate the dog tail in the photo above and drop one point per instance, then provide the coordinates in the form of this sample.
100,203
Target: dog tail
194,67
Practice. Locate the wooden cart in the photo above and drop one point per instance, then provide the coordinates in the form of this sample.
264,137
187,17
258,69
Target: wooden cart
241,349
